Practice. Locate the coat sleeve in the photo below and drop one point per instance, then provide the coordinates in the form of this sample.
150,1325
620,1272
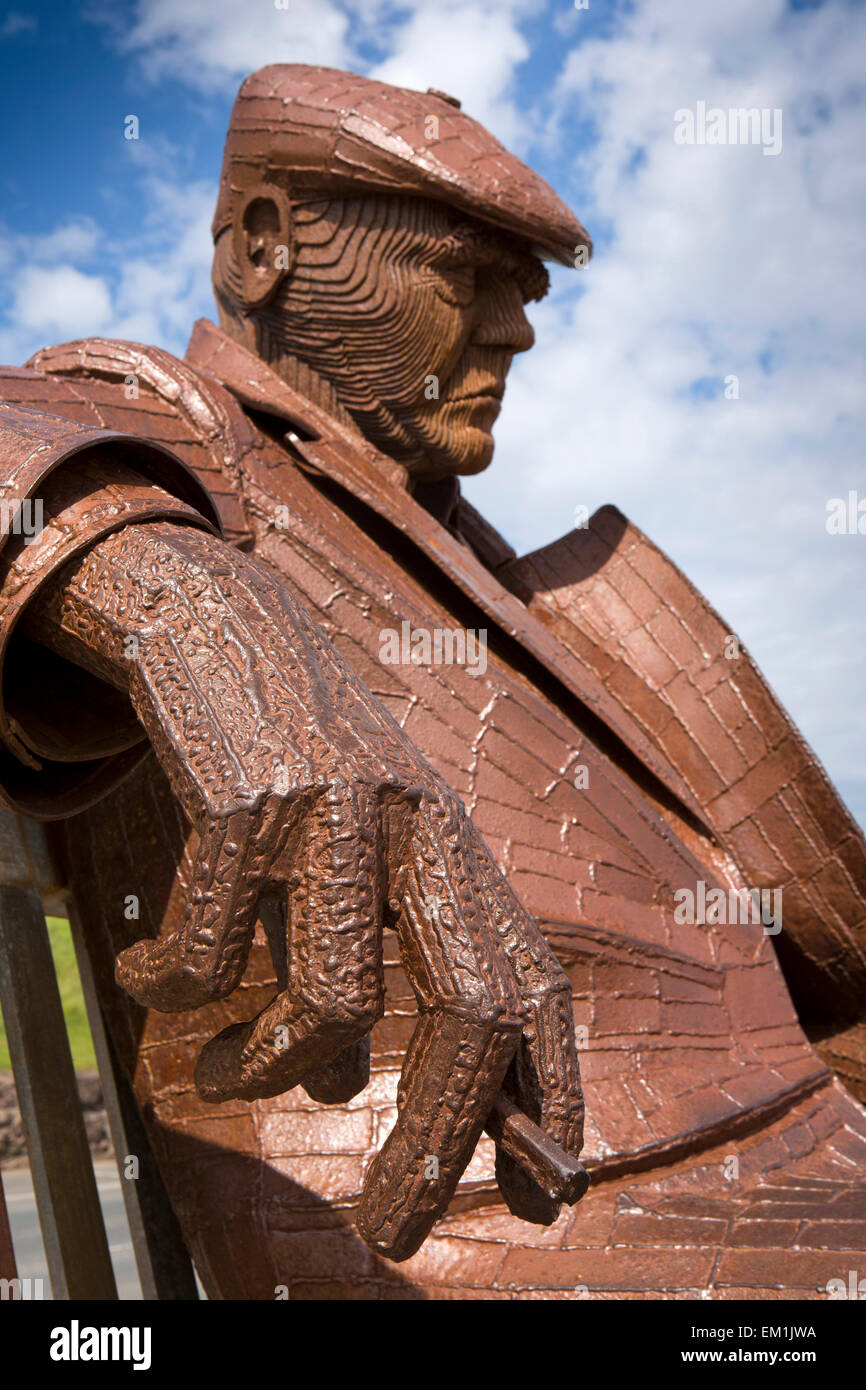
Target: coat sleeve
67,738
623,606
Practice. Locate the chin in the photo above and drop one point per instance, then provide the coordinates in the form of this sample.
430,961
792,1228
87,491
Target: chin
461,432
469,452
460,449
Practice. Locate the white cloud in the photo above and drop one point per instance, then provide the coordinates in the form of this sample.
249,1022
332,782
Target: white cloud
60,300
212,44
164,288
468,50
74,240
149,289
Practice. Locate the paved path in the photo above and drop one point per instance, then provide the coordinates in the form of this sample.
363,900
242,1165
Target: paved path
27,1238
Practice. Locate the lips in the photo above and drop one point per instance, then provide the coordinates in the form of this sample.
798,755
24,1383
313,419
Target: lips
489,391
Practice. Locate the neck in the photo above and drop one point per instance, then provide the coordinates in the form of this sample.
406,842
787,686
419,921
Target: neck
306,381
368,418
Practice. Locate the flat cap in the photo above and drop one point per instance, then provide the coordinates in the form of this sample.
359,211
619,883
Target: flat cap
332,133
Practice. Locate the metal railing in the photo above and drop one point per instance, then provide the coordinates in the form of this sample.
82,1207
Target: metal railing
67,1201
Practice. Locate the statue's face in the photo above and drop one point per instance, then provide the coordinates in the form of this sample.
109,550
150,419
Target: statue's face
410,311
439,354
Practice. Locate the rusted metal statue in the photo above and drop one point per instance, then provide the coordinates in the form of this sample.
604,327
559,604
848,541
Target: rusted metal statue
299,822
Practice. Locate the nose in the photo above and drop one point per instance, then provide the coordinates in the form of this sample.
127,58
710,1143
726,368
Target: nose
500,321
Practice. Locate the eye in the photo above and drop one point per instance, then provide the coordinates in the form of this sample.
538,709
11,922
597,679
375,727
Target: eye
455,285
461,249
453,266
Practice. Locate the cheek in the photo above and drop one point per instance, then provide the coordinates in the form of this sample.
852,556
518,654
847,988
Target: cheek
434,330
412,334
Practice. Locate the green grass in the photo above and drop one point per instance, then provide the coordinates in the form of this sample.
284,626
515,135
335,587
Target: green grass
71,997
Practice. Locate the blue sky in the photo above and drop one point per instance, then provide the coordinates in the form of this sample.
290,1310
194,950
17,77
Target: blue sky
712,262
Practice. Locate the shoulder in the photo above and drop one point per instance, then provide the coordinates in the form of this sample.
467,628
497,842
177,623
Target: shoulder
148,393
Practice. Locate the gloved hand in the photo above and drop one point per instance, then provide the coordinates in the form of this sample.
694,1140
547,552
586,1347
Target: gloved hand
304,791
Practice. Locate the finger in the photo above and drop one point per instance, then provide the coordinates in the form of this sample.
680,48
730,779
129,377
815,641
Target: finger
205,958
341,1079
452,1074
544,1083
349,1072
331,963
544,1078
466,1036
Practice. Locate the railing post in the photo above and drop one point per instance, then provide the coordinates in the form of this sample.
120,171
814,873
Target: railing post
8,1268
164,1267
73,1232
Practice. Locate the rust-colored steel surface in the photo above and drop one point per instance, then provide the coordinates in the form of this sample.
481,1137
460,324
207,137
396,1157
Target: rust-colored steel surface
376,828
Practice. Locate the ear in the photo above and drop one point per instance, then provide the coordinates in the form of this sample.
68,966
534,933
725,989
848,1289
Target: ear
263,240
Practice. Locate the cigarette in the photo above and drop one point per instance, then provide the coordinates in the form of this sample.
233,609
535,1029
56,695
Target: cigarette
558,1175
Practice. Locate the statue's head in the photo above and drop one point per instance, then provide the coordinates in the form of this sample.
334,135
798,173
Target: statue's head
376,247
